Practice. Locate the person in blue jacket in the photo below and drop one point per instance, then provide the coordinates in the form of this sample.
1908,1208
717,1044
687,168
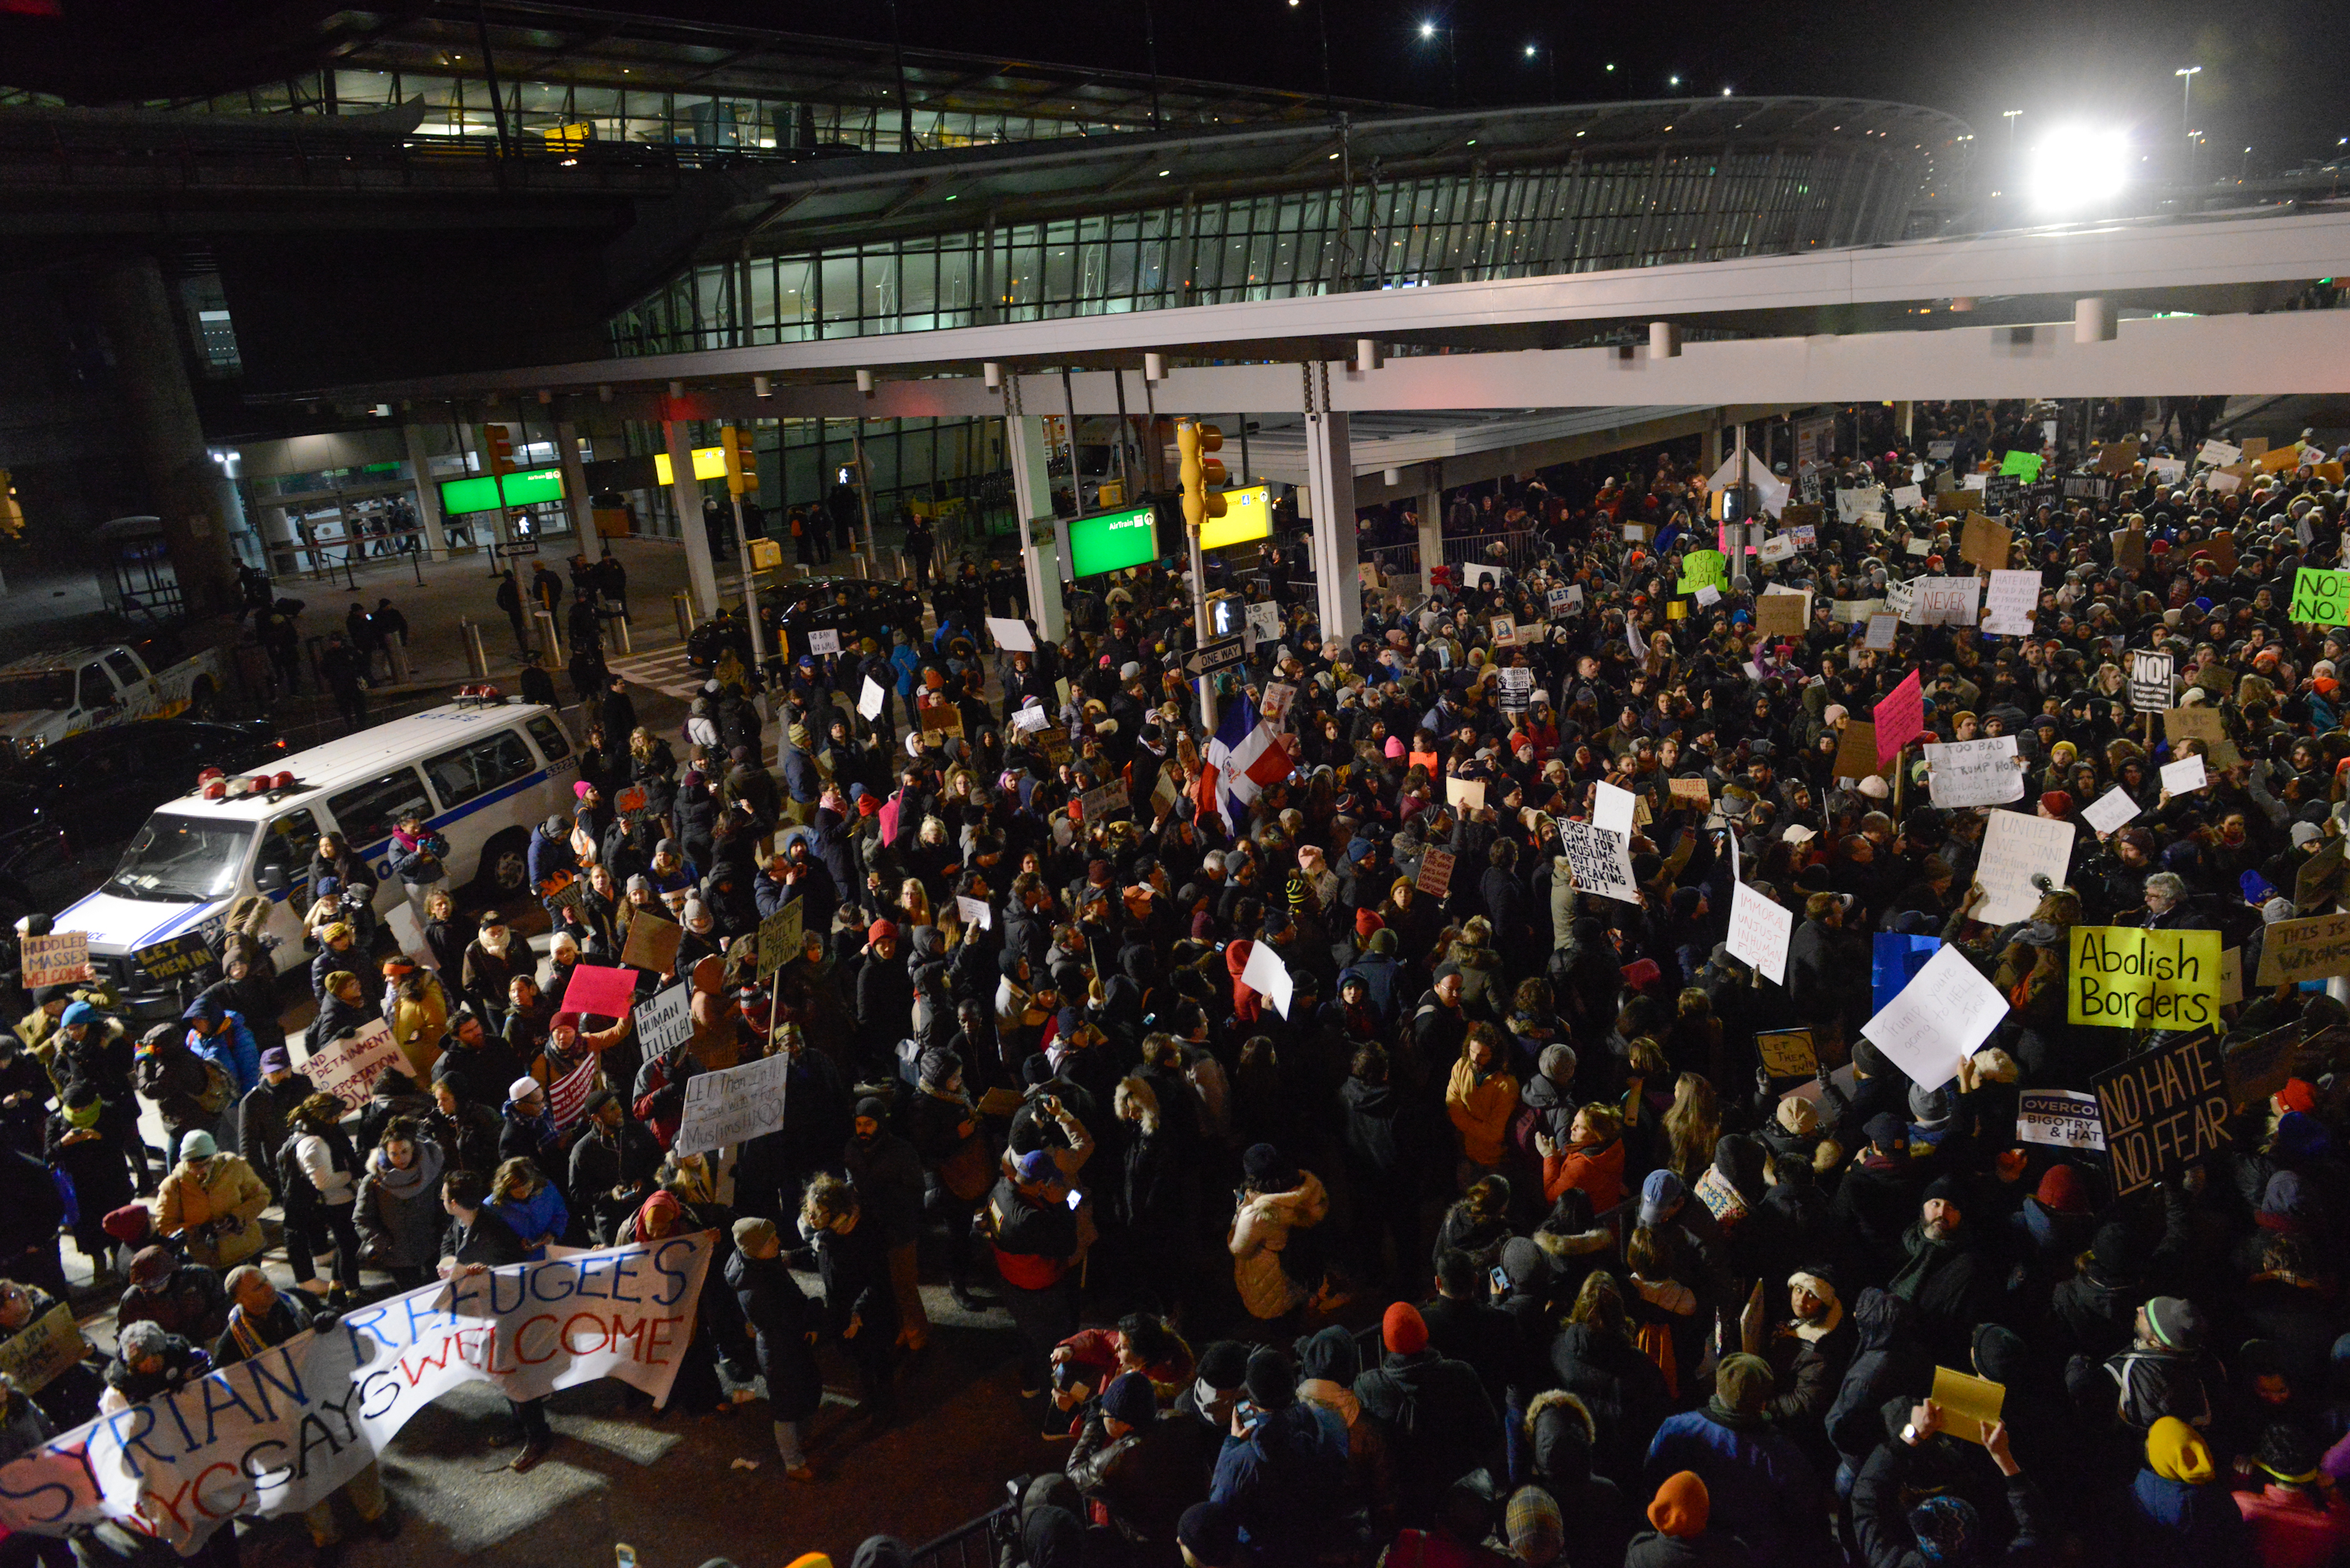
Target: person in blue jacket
1283,1468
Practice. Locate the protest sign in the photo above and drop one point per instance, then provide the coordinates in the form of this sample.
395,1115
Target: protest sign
1787,1053
2129,549
1517,690
1029,718
2016,850
2314,883
1264,619
1691,792
347,1068
2231,976
1974,773
183,955
1900,598
824,641
2150,682
2218,453
407,931
779,936
2125,978
1944,601
2321,596
1010,635
1894,960
1703,568
2061,1118
1899,719
2112,811
652,943
2198,724
2259,1067
975,912
1611,807
1601,861
1759,932
2314,949
604,991
1906,496
1435,875
2014,598
1969,1405
1708,595
1265,973
665,1019
285,1430
732,1106
1883,627
1783,614
1937,1019
2184,776
36,1353
2162,1111
945,718
1918,548
1852,505
1102,801
58,959
1778,547
869,700
1985,542
1467,793
1505,632
2023,465
1856,755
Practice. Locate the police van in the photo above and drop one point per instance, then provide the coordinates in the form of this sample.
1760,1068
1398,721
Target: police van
482,774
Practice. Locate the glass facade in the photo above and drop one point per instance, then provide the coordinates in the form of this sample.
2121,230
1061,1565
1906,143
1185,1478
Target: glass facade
1582,216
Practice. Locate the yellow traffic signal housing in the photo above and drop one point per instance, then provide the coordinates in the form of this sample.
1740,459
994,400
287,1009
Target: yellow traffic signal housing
497,448
742,460
1202,475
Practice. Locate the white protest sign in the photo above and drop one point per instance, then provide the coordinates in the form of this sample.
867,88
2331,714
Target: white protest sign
1265,973
2013,597
1908,496
2184,776
1882,629
348,1068
1937,1019
1010,635
1760,931
1029,718
2218,453
664,1020
1900,598
1852,505
1918,548
1708,595
1265,620
2065,1118
2170,470
408,929
2112,810
732,1106
1777,547
1974,773
975,912
1611,807
824,641
1944,601
869,701
1602,861
2015,849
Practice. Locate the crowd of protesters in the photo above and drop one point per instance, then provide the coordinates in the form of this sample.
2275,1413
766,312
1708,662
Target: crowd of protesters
1496,1241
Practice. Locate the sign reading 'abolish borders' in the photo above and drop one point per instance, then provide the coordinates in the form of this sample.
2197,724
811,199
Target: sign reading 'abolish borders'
2124,978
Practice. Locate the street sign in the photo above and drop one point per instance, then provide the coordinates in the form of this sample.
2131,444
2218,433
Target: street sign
1215,656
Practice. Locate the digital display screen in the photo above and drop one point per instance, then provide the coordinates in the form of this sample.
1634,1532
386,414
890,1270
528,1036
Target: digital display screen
1113,541
481,494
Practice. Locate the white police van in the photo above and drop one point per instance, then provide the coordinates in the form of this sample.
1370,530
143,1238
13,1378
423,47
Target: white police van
483,774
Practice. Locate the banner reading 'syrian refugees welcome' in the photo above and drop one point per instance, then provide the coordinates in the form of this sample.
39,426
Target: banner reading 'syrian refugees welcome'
275,1434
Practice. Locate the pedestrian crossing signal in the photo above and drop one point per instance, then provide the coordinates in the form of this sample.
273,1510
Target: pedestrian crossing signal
12,514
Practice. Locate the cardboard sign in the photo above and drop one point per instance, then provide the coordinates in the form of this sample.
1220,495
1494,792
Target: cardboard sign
2117,458
185,954
1759,932
2314,883
58,958
347,1068
779,936
1974,773
1435,875
1787,1053
2150,682
732,1106
944,718
1971,1405
604,991
2259,1068
1601,861
2162,1111
1469,794
1784,615
1692,793
2125,978
1856,755
664,1020
652,943
2321,596
2314,949
2198,724
36,1353
1938,1019
1985,542
2059,1119
2129,550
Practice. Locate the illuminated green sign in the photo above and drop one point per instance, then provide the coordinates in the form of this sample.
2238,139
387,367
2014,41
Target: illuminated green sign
1113,541
481,494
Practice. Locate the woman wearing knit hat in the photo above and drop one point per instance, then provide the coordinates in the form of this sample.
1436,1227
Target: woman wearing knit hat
1679,1537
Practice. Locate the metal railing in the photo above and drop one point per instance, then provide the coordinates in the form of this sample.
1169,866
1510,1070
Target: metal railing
971,1545
1512,549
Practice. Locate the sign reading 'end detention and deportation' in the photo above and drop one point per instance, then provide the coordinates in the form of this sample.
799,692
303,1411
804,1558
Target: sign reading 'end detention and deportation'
2124,978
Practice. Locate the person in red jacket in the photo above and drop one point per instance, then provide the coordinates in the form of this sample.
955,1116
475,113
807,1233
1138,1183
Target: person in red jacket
2297,1518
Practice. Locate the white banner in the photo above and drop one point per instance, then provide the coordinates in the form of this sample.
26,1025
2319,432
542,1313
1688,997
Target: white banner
1760,931
1944,601
275,1434
731,1105
1974,773
1602,860
2015,849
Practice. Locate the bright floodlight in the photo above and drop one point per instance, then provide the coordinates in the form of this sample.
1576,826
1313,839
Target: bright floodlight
2076,167
1428,29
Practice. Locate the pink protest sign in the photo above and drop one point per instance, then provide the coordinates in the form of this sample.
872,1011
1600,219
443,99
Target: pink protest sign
1899,719
595,989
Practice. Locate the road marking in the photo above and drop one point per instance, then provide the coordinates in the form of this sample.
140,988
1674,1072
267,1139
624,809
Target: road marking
666,671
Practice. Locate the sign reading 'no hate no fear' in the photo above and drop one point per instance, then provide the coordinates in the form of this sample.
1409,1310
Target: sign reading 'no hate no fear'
2124,978
2162,1111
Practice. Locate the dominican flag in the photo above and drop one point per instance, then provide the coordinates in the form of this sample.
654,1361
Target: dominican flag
1243,757
568,1097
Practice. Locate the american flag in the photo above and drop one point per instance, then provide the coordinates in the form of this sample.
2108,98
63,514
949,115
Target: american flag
569,1096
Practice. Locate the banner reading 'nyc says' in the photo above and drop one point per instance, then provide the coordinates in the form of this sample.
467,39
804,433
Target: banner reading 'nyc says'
2124,978
275,1434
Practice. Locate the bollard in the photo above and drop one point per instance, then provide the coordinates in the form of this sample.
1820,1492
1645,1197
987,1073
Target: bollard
858,556
550,645
620,623
683,606
396,649
477,659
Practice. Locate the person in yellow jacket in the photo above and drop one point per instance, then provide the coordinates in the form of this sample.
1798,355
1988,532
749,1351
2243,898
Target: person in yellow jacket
213,1202
1480,1098
418,1011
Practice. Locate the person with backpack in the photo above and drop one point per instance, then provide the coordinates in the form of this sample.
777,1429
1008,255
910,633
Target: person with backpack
213,1201
317,1179
189,1092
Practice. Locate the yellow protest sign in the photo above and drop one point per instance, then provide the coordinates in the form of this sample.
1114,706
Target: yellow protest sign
2124,978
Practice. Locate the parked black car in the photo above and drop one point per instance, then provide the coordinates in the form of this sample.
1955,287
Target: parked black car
99,786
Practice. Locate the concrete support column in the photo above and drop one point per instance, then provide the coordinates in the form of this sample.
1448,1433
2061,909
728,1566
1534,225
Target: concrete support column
575,486
428,494
1025,451
1904,419
167,435
1710,458
1330,477
685,492
1431,523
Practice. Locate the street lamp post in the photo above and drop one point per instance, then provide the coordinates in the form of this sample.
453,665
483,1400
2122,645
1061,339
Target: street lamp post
1452,55
2186,75
1322,27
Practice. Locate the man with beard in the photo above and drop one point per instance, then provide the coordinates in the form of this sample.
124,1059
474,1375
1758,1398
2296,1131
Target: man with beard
1944,1275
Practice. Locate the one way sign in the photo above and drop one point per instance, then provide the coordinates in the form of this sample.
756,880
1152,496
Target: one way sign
1215,656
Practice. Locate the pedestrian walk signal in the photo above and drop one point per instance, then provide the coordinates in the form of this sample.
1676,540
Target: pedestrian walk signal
12,512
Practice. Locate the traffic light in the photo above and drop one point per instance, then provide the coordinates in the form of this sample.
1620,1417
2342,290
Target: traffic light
741,462
1204,476
12,515
497,448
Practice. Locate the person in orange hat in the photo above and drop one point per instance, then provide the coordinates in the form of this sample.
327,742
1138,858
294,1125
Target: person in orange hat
1680,1514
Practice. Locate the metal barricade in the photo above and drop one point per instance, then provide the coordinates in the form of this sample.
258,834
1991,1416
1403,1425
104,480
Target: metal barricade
972,1544
1516,550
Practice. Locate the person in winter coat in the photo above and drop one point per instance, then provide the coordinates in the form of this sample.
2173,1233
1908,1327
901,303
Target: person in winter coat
1807,1354
1947,1527
885,996
1277,1201
1480,1098
473,1242
1439,1421
263,1114
1035,1236
1679,1515
1379,1135
213,1202
784,1327
150,1362
1598,1519
860,1308
491,961
221,1035
181,1298
79,1150
1591,1159
1595,1358
888,1177
2295,1520
2177,1517
317,1178
532,1206
1944,1275
1761,1488
399,1212
187,1092
1284,1468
